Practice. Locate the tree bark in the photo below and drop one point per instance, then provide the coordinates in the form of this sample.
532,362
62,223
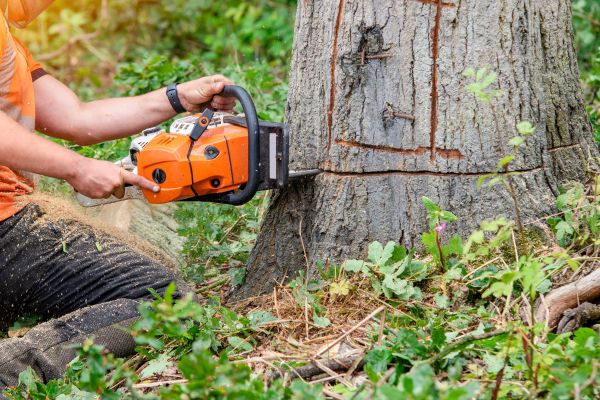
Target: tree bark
378,102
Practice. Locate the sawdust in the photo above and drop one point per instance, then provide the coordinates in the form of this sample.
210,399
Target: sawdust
62,209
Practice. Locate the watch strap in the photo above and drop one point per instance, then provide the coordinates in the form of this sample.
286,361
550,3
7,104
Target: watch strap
174,98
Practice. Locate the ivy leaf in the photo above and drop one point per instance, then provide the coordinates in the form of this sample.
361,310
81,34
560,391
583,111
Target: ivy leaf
156,366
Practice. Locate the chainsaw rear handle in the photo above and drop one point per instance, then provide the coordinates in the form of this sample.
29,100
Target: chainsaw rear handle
248,192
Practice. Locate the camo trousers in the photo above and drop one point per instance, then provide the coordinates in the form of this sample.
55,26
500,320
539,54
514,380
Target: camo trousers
87,283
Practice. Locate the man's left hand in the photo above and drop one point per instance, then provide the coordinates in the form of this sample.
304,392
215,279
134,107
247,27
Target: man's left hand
201,93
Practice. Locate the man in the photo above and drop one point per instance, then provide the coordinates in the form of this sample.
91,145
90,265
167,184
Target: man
51,266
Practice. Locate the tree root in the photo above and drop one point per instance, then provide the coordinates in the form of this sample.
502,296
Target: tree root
551,308
574,318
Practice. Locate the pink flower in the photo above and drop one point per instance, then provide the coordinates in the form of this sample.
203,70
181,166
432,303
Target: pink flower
440,228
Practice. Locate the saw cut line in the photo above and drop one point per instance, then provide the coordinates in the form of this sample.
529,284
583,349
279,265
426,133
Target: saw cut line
428,173
336,33
435,52
449,154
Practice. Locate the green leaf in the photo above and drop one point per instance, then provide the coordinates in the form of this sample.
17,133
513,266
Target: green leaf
156,366
516,142
99,247
321,322
454,246
430,205
28,377
258,318
532,276
447,216
375,251
469,72
354,266
377,361
563,231
488,79
525,128
438,336
239,344
341,288
493,362
441,300
505,161
428,240
397,286
481,73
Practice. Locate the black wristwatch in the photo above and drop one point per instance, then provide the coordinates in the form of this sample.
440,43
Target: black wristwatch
174,98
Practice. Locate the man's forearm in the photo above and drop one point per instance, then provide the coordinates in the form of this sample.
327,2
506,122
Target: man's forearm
21,149
60,113
116,118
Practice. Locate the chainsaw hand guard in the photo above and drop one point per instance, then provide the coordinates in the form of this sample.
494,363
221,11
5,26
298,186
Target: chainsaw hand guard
249,190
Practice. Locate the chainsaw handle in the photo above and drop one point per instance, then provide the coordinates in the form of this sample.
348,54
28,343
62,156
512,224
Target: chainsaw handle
246,194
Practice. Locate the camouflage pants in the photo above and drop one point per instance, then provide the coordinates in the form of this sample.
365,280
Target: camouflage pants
89,282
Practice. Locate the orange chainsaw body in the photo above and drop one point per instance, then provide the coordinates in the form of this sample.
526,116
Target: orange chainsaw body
218,160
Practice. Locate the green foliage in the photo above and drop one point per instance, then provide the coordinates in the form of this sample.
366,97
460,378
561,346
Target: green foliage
176,326
391,270
483,79
432,241
218,236
578,224
307,294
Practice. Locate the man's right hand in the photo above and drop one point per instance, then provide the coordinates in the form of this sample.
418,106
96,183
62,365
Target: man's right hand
101,179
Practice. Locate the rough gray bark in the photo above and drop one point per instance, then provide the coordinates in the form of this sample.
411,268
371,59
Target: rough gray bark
378,101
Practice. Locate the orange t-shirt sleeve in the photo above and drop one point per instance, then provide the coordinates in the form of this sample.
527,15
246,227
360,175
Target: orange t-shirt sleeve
35,68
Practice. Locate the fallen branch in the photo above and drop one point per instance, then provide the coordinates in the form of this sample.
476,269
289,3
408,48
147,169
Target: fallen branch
468,339
551,309
341,364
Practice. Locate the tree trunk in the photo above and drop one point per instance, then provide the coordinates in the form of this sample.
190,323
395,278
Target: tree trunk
378,102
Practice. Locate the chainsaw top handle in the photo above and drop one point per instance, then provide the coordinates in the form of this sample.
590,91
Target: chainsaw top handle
245,194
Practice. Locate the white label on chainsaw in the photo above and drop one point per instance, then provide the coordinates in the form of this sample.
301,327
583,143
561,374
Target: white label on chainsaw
183,126
273,156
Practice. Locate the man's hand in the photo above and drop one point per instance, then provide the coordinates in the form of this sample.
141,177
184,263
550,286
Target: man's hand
201,93
101,179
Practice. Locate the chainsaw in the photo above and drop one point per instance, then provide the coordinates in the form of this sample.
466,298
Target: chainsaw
209,157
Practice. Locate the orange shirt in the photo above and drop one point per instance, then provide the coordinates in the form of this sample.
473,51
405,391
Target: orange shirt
17,72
